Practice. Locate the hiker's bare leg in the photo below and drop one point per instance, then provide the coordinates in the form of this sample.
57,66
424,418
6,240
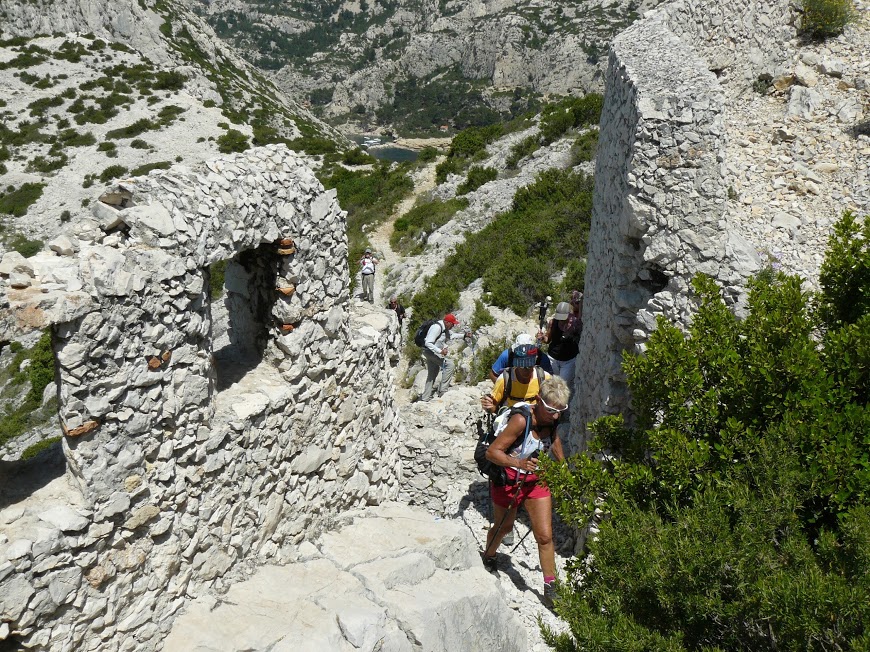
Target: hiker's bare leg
493,538
541,514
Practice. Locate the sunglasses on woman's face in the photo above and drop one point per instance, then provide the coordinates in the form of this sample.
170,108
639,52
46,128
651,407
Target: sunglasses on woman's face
549,408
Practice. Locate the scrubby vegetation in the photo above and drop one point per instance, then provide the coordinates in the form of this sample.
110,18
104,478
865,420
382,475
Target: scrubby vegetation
739,500
477,176
16,201
412,229
826,18
570,113
232,141
520,252
39,373
585,146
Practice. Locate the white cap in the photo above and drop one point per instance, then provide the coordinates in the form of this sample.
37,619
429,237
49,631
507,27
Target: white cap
524,339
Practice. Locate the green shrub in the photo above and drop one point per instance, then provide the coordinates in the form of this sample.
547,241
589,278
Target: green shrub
573,112
739,500
147,167
845,273
139,127
217,273
357,156
107,146
585,146
313,145
427,154
112,172
481,316
522,149
16,202
138,143
41,106
34,450
72,138
24,246
232,141
65,216
447,167
169,81
477,176
47,164
39,374
826,18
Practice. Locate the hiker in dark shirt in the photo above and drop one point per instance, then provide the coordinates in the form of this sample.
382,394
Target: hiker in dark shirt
400,310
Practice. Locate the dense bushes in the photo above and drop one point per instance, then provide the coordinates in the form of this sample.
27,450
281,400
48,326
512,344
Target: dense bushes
520,251
232,141
570,113
17,201
740,499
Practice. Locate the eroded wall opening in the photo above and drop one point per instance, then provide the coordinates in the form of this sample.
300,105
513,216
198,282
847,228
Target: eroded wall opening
242,315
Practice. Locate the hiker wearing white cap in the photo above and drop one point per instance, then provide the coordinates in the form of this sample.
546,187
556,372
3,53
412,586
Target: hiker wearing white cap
506,357
563,345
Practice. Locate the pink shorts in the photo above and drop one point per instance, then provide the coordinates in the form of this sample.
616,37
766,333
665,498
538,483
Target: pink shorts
530,488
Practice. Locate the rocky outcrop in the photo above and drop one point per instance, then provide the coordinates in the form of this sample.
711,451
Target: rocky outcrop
659,215
191,465
392,579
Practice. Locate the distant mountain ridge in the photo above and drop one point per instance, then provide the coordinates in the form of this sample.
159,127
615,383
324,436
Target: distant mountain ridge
367,62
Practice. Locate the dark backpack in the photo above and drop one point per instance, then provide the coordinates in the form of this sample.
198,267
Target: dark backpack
423,331
486,436
508,383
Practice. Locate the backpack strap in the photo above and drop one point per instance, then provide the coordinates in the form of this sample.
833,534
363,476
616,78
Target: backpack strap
507,381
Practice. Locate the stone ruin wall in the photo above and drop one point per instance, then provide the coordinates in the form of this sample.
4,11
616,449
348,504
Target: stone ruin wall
659,214
196,464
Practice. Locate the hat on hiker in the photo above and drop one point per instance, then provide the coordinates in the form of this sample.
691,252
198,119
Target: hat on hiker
525,355
562,311
523,338
368,250
450,319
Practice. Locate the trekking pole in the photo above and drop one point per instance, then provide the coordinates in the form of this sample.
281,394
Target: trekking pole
514,503
521,541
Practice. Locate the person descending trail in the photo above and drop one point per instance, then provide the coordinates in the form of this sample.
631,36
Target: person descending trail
529,431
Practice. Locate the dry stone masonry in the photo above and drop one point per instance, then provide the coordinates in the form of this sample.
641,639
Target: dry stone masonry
659,214
189,465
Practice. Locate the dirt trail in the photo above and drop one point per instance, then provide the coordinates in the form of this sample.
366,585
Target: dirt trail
424,181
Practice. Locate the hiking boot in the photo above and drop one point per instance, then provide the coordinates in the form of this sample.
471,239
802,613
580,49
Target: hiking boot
490,564
549,594
508,539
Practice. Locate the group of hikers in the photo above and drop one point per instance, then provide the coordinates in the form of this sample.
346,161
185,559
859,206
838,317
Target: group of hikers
528,401
531,392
